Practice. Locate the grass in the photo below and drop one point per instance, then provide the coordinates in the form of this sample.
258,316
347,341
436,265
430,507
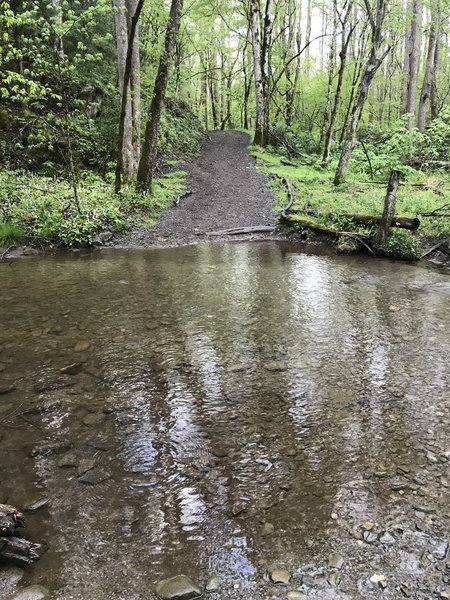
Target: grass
312,185
35,207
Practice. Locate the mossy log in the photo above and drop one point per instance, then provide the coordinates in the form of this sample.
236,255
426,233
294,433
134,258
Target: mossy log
14,548
402,222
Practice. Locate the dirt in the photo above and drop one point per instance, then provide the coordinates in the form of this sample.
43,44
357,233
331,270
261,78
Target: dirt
227,192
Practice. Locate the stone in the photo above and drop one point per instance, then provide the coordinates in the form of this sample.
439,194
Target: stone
6,388
82,346
69,460
94,419
396,486
386,538
440,551
268,529
296,595
94,477
367,525
405,590
275,366
10,575
33,592
444,595
179,587
85,465
379,579
334,578
280,576
336,561
213,583
34,506
72,369
370,537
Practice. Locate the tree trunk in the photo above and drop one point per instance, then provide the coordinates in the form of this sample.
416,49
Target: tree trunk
125,141
389,210
257,73
337,97
265,64
148,158
428,76
411,63
374,61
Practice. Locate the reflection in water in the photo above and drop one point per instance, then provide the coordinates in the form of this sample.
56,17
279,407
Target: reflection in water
224,403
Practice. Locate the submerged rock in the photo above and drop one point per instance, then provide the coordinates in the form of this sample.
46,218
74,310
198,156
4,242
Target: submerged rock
33,592
336,561
213,583
280,576
82,346
179,587
275,365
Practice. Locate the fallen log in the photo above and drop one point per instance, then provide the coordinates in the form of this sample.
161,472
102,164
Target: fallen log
13,548
402,222
243,230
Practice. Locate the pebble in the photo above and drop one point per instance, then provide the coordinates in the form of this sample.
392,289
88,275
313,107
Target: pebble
379,579
82,346
33,592
213,583
34,506
280,576
386,538
334,578
296,595
440,551
370,537
179,587
275,366
336,561
94,477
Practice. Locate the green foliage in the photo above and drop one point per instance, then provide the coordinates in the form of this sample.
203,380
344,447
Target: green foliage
9,232
180,132
402,244
39,207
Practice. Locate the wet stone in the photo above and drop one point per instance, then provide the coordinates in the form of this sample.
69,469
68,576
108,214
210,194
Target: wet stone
10,576
280,576
94,477
180,587
275,366
72,369
82,346
69,460
85,465
370,537
94,419
268,529
5,388
386,538
440,551
334,578
36,505
336,561
33,592
213,583
399,485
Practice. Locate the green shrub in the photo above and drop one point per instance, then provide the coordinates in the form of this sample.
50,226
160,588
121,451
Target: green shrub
9,233
402,244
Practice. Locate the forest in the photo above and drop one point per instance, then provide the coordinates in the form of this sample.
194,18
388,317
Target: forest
346,104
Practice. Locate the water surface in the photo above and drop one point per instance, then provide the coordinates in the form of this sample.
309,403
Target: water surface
229,408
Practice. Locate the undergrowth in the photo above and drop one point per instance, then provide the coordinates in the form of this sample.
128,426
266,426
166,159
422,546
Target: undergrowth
313,188
40,208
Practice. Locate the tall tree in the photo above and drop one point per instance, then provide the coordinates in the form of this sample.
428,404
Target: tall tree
376,57
430,71
149,150
411,61
130,151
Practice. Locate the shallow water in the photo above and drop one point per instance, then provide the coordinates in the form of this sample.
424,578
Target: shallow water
232,408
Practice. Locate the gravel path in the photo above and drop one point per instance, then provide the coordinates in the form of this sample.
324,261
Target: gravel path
227,192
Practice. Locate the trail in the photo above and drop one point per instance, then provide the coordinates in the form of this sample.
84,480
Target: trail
227,192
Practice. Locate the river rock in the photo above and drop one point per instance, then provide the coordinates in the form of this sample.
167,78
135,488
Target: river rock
34,506
94,477
72,369
280,576
386,538
82,346
440,551
336,561
5,388
334,578
275,366
296,595
179,587
33,592
213,583
10,575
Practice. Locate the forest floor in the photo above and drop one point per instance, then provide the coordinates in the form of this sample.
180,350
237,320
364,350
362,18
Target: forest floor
226,192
